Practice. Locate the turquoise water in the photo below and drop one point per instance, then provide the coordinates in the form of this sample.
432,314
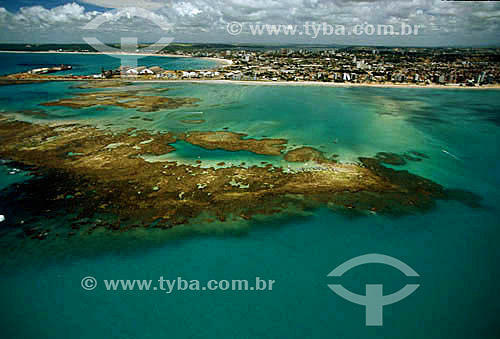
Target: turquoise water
454,248
189,154
84,64
11,175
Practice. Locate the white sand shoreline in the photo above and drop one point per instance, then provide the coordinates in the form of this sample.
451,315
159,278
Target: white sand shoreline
269,83
318,83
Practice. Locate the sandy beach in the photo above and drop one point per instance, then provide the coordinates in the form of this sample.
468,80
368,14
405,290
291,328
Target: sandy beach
267,83
325,84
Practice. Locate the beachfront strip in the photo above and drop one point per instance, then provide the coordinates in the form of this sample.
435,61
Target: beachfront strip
357,65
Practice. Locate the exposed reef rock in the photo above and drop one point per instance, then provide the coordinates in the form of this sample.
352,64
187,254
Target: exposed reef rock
126,99
90,172
419,154
235,142
400,160
305,154
391,158
193,121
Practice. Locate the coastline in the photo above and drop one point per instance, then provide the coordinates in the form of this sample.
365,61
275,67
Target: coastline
221,62
325,84
226,62
265,83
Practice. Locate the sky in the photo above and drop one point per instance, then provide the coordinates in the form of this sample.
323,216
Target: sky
441,23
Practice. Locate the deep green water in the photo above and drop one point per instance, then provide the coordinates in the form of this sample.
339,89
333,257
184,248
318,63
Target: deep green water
454,248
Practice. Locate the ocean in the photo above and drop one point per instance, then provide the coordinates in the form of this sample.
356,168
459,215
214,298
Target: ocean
85,64
453,247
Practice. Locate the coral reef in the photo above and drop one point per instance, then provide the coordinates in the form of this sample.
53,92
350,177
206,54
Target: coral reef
91,172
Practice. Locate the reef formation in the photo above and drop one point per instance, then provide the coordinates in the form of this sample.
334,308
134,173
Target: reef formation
89,172
125,99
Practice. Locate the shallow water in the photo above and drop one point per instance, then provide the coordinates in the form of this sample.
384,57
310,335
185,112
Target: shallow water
454,248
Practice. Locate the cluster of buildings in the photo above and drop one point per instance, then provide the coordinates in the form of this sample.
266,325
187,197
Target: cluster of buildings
156,72
360,65
364,65
376,65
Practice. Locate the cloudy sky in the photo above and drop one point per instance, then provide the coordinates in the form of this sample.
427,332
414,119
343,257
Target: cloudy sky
441,23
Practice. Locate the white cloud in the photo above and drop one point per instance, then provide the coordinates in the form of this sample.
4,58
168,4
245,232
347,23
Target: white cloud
187,9
206,20
38,16
146,4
